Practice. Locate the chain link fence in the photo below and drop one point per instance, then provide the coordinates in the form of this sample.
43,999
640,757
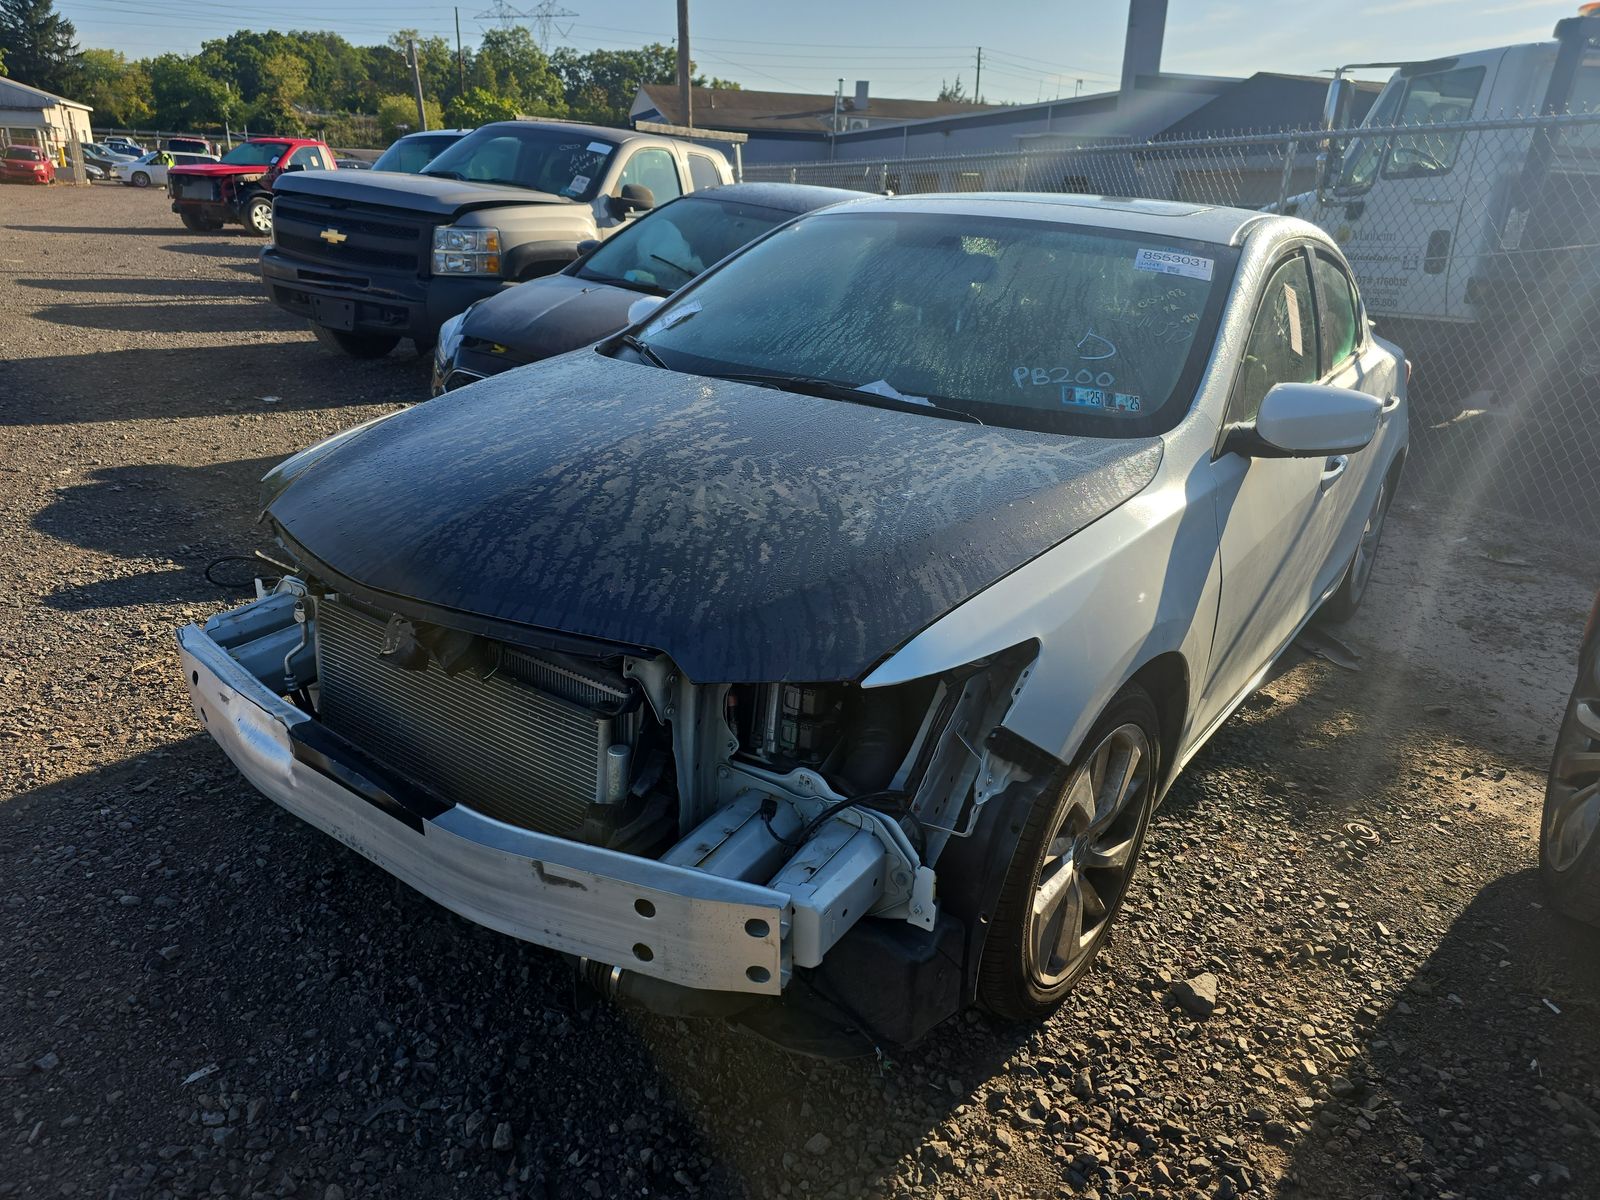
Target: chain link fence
1476,246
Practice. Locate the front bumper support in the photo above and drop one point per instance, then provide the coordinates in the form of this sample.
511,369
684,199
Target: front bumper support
669,922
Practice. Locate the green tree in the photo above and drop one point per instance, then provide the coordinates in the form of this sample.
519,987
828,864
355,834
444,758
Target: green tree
38,44
436,63
185,95
510,65
478,106
397,116
601,85
118,90
953,92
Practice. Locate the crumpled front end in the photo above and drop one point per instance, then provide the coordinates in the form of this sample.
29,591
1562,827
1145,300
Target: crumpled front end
721,840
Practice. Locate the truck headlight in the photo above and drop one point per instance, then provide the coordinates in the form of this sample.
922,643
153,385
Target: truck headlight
466,250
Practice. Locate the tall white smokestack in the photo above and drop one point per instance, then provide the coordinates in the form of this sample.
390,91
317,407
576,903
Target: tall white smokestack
1141,53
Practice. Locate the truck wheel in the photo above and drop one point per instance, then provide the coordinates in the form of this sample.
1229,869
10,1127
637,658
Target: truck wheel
195,223
357,345
140,179
1072,864
258,217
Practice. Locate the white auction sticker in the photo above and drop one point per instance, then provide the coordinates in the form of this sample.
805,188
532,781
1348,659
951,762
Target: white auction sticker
1170,262
599,148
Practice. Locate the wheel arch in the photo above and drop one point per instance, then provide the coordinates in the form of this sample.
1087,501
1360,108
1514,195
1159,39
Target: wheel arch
1165,679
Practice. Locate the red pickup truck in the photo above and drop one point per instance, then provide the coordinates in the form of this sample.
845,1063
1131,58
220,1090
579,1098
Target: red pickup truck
238,190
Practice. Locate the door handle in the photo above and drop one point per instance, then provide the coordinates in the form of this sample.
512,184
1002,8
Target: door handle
1333,469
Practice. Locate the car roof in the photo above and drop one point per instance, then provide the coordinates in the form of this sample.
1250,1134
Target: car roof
419,133
787,197
1200,222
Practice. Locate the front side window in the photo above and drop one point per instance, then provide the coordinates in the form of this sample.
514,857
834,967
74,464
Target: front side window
1364,153
1340,312
1441,98
255,154
543,158
1034,324
655,169
661,252
1283,342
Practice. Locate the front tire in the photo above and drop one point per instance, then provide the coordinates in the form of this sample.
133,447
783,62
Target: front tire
1569,833
357,345
140,179
1070,871
258,216
195,223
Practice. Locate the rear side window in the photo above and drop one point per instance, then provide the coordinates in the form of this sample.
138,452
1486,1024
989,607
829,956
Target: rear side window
1340,312
655,169
1283,342
308,158
703,172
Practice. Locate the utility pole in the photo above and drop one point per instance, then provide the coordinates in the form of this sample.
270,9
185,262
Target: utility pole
461,63
977,84
684,98
416,83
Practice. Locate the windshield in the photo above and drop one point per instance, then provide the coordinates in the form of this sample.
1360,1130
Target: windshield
661,252
545,158
255,154
1027,323
411,154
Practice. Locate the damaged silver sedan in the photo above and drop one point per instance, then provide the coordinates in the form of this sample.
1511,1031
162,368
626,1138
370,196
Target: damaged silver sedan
815,652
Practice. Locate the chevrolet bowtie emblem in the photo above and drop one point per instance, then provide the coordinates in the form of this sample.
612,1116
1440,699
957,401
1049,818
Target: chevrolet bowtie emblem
333,237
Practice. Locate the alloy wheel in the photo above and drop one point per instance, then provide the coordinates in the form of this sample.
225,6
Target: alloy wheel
261,217
1089,858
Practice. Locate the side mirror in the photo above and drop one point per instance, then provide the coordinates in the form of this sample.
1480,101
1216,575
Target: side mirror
1336,105
587,246
1311,420
641,308
633,198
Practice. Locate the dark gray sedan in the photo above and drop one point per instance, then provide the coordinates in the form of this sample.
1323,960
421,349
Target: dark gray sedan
654,256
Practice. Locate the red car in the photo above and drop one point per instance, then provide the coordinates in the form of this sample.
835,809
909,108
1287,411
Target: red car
238,190
25,164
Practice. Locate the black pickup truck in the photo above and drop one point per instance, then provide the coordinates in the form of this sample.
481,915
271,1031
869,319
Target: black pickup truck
373,257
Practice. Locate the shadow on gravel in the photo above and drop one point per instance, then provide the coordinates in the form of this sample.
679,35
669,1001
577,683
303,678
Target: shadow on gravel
241,247
78,231
202,381
366,1035
106,285
172,317
160,512
1487,1070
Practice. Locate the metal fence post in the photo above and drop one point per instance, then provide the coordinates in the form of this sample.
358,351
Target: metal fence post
1290,148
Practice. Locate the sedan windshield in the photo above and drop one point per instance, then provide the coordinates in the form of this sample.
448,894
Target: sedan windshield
410,154
541,157
663,251
255,154
1019,322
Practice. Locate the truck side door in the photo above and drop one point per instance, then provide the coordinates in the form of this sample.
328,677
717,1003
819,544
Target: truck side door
1397,206
653,167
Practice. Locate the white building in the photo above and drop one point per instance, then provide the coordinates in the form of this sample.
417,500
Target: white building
30,116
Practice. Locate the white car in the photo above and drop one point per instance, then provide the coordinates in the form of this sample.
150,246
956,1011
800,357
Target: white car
152,167
824,642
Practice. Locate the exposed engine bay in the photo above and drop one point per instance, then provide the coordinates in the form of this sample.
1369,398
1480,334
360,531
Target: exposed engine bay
840,798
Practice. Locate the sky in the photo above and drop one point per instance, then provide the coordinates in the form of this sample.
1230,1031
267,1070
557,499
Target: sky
1032,49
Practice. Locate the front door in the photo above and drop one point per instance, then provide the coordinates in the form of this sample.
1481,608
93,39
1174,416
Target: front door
1274,529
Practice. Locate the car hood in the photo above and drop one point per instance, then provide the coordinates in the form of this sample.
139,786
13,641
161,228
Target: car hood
549,316
416,193
750,534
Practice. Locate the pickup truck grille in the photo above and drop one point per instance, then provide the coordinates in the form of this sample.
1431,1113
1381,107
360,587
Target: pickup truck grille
371,238
497,743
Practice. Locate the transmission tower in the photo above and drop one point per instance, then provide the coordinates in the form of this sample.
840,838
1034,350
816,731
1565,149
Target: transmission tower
501,11
545,15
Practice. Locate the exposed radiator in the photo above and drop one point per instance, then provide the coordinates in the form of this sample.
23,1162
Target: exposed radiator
495,744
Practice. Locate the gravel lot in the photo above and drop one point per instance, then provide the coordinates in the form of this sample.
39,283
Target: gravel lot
202,996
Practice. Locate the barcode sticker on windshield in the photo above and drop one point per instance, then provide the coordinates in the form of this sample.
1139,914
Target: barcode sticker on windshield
598,148
1170,262
579,182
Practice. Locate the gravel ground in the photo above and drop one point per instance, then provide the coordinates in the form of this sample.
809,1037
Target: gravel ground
202,996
